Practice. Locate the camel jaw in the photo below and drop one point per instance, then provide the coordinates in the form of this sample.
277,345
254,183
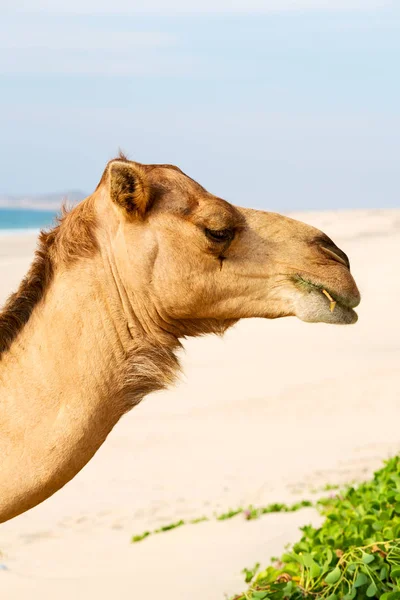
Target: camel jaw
318,304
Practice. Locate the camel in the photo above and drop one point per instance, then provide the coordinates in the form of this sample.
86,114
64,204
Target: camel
148,259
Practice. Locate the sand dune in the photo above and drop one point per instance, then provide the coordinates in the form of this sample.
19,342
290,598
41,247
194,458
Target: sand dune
269,413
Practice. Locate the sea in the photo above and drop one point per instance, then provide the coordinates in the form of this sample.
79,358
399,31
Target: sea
23,220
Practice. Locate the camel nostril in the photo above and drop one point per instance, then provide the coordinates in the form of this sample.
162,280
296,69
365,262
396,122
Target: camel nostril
337,254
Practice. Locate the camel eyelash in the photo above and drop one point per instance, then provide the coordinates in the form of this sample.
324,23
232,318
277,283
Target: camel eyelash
220,235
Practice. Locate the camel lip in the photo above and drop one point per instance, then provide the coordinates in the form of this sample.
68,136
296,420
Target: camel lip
318,303
306,285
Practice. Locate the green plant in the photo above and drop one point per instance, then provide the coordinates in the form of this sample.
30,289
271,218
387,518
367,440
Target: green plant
139,538
170,527
229,515
249,574
198,520
355,554
249,514
329,487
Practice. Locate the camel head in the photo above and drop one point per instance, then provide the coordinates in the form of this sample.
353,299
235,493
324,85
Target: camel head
199,263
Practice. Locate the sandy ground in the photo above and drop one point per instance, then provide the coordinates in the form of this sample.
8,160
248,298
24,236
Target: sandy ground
270,413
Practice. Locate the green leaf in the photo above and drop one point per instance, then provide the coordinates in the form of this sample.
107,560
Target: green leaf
395,572
394,596
351,595
332,597
333,576
351,568
329,556
310,563
367,558
295,557
259,595
307,560
288,589
362,579
388,533
371,591
287,558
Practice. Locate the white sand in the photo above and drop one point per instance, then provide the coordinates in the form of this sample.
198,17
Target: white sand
267,414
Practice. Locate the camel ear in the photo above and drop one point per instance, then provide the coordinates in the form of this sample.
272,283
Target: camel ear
128,187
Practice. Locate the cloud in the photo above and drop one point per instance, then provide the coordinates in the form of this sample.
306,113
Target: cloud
186,6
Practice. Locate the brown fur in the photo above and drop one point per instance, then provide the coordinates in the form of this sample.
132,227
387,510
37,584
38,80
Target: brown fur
104,178
71,239
128,187
148,369
18,309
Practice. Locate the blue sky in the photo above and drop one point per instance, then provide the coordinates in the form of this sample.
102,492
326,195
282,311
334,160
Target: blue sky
276,104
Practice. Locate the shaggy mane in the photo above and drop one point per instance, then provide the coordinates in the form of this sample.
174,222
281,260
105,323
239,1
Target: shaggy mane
71,239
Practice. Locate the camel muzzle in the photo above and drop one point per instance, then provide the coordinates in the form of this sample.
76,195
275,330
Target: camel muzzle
338,255
327,302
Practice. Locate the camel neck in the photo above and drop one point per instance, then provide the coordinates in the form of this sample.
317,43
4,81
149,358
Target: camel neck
72,372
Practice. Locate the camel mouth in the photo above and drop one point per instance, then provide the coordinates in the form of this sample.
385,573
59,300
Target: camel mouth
321,304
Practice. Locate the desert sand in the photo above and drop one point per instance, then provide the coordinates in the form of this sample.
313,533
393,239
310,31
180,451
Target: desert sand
270,413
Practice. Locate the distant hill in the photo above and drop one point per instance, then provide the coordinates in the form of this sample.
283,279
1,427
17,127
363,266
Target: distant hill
42,201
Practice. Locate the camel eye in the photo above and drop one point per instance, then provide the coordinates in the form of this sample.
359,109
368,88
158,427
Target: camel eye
222,235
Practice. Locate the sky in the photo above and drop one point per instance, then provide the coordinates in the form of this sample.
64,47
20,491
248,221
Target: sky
275,104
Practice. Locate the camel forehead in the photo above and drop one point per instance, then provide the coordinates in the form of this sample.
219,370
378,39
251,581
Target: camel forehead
184,196
172,176
162,167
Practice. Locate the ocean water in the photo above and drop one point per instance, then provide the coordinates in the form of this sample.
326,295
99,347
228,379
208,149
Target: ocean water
24,219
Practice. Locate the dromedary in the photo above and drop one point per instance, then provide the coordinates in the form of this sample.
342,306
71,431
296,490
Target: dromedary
149,258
